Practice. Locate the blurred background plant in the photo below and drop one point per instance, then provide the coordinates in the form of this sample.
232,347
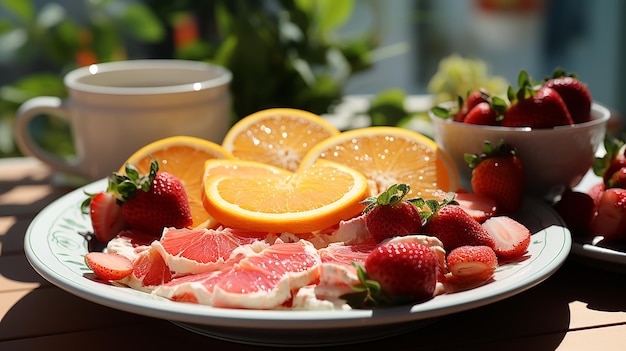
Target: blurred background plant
40,45
286,53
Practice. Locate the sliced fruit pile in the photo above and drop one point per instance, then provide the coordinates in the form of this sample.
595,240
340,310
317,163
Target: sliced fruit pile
561,99
600,213
190,215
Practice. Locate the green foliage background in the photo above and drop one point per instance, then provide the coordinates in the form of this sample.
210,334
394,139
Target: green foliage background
283,53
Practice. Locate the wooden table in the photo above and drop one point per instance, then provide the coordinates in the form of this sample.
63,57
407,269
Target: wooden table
578,308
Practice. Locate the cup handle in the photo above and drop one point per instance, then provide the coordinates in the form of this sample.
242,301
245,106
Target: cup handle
27,111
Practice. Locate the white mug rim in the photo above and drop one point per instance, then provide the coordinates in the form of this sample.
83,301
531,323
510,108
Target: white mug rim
222,76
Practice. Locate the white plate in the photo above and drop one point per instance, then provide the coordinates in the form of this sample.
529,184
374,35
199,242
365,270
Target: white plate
55,247
590,252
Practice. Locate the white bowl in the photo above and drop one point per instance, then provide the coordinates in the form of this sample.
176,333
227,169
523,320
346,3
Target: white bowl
553,158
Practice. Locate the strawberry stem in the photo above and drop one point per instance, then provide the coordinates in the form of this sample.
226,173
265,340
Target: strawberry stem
393,195
125,186
489,150
612,146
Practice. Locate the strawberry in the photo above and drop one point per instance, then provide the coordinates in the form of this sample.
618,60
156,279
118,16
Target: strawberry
618,179
151,202
499,174
143,203
476,97
472,262
453,226
574,93
107,266
541,108
165,204
615,158
390,214
459,116
405,272
595,192
482,114
106,215
510,238
481,107
473,98
576,209
610,220
479,206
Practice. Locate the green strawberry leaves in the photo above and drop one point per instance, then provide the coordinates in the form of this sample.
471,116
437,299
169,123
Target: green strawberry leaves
369,294
490,150
125,187
393,195
612,145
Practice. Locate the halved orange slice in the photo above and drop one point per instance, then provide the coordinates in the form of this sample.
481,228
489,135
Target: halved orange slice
312,199
278,136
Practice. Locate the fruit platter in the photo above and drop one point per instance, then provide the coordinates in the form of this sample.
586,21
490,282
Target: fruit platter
290,226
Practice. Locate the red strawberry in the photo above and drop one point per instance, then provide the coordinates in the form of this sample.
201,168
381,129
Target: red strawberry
108,266
612,161
574,93
510,238
389,214
491,113
576,209
499,174
455,227
479,206
476,97
459,116
473,98
482,114
618,179
165,204
143,203
406,271
542,108
106,215
151,202
610,220
595,192
472,262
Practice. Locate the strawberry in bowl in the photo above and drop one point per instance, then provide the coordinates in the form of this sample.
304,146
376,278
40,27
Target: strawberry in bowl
555,148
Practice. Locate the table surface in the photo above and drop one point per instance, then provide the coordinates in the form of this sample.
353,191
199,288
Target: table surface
580,307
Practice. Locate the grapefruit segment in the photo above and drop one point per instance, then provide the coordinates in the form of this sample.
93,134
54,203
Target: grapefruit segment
264,280
149,271
268,279
337,273
202,250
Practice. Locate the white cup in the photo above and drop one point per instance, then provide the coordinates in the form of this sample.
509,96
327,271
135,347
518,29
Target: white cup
115,108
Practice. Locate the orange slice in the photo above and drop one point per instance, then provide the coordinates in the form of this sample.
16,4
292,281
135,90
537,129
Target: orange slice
391,155
279,136
312,199
225,166
184,157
